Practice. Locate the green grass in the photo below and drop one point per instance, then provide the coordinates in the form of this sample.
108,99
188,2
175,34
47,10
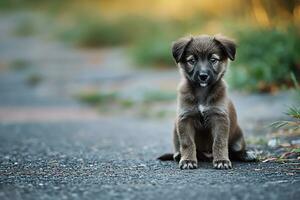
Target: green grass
158,96
127,103
154,51
32,4
296,150
88,33
20,64
25,27
257,141
265,58
97,98
153,48
144,107
95,31
293,113
296,90
34,79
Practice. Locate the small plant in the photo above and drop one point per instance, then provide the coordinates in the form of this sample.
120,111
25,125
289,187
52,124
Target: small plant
289,127
293,123
293,112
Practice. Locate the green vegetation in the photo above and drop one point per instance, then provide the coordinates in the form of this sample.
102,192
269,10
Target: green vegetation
265,59
257,141
25,27
296,89
97,98
92,33
153,48
97,31
34,79
20,64
267,51
143,107
21,4
290,127
149,40
265,56
153,51
127,103
294,123
293,112
158,96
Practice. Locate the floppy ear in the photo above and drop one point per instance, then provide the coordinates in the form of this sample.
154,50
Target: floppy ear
227,45
179,46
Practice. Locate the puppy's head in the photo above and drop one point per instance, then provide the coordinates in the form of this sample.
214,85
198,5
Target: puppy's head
203,59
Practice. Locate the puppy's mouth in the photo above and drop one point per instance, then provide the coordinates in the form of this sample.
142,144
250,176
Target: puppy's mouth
203,84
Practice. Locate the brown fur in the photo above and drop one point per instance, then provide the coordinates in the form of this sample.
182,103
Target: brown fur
206,124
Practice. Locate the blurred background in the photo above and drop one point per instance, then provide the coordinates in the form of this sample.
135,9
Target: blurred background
88,97
113,58
267,31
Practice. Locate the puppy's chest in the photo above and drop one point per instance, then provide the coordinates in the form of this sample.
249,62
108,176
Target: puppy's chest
202,119
203,109
202,105
198,108
200,102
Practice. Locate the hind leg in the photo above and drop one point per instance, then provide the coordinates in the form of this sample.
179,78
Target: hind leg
237,149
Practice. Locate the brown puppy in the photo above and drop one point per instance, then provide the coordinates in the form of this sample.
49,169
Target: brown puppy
206,124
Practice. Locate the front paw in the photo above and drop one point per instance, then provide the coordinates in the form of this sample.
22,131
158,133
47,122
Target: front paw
188,164
222,164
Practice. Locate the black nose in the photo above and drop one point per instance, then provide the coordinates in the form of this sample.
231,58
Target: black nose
203,76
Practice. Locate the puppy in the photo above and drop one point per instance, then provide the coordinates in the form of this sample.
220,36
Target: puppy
206,125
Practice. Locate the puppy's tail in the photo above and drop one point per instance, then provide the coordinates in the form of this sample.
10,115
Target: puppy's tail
166,157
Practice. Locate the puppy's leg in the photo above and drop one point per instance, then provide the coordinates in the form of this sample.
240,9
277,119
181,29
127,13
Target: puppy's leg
186,134
220,132
176,144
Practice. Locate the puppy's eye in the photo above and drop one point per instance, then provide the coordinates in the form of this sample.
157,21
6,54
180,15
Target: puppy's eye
191,61
213,61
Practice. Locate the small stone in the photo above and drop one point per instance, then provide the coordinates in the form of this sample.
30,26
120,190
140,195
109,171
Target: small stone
273,142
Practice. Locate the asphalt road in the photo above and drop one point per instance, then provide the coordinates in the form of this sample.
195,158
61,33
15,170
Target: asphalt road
115,159
52,148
